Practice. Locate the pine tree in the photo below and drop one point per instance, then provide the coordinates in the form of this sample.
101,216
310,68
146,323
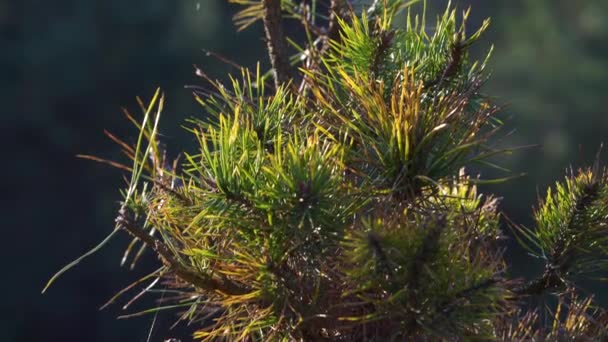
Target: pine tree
328,199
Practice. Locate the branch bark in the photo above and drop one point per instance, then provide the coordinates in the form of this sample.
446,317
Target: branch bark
199,280
333,31
549,280
275,41
456,53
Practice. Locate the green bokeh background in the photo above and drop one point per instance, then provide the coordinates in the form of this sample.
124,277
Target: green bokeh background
68,66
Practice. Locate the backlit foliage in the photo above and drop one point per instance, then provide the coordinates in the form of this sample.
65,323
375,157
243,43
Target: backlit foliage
336,206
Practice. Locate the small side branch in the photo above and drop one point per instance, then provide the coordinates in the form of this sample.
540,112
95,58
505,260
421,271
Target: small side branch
566,248
451,69
196,279
549,280
275,41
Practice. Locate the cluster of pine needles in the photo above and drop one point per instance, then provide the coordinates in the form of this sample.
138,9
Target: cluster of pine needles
336,206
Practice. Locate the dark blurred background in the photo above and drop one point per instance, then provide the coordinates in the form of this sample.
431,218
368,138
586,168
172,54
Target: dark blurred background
68,66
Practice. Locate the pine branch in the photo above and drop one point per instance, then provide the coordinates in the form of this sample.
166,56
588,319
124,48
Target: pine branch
429,247
268,224
451,68
562,255
275,41
196,279
375,244
446,308
427,251
549,280
564,252
384,44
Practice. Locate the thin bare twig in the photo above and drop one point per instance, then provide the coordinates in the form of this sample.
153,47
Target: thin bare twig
275,41
332,32
223,59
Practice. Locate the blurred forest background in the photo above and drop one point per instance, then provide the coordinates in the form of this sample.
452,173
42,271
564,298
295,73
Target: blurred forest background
68,66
